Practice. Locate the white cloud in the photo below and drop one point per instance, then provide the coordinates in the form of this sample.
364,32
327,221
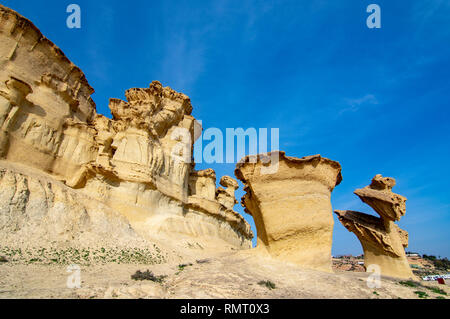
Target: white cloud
355,104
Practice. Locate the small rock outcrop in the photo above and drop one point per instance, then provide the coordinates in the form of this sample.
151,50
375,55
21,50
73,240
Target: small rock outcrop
138,163
226,196
382,240
291,206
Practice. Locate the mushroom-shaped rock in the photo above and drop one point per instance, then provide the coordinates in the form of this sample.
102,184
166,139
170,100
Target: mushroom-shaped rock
226,196
382,240
291,206
380,197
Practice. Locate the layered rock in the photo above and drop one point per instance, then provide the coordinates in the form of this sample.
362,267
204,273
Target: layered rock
37,210
138,163
291,206
382,240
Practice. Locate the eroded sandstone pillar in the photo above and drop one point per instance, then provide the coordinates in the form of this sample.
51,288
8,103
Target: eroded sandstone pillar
291,206
382,240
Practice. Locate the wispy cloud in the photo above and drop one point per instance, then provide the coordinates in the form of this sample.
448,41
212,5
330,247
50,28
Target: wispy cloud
183,61
424,16
423,11
353,105
189,42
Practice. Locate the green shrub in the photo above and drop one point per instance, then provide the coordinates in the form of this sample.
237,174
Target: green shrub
147,275
182,266
421,294
267,283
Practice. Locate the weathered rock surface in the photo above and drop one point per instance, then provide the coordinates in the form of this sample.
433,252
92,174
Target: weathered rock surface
137,164
39,212
382,240
380,197
291,207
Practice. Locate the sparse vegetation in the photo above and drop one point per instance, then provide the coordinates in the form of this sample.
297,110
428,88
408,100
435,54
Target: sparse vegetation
181,267
412,284
437,290
3,259
147,275
408,283
421,294
376,293
202,261
83,256
267,283
441,264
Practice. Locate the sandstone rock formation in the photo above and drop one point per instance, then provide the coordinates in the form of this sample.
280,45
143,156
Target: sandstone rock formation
138,163
382,240
291,207
226,196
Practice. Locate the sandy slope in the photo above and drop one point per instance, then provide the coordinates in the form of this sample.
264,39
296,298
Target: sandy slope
225,275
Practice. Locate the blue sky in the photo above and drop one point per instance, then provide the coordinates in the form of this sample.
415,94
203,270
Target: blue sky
376,100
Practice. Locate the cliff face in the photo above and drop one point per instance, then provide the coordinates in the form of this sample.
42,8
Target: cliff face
137,164
382,240
291,206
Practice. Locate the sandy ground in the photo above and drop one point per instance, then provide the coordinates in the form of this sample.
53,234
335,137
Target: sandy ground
225,275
